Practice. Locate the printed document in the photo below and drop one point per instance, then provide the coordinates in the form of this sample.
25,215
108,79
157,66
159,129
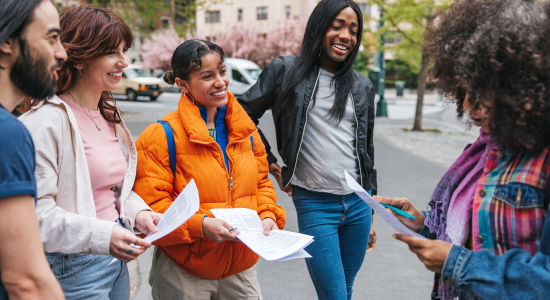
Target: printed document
379,209
184,207
279,245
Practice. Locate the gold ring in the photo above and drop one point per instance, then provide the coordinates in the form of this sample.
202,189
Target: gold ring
137,241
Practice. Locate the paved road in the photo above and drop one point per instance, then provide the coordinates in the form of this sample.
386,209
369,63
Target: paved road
390,272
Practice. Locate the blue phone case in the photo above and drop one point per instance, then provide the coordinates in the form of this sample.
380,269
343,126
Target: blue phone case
398,211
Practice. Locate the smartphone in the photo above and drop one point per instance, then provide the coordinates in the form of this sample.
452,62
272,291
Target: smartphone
398,211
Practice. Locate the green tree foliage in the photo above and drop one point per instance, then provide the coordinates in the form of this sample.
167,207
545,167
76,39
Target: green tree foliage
145,15
397,69
140,15
405,22
364,58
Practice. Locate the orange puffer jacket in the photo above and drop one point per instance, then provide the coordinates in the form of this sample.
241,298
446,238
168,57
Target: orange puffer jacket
199,157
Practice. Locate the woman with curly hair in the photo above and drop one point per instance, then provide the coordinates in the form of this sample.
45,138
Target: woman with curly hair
489,237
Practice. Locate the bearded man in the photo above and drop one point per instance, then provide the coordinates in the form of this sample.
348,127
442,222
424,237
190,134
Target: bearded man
30,56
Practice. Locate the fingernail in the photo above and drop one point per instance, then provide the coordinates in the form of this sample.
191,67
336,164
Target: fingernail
394,236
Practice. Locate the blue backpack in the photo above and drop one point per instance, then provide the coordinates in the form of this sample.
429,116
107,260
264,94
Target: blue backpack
172,145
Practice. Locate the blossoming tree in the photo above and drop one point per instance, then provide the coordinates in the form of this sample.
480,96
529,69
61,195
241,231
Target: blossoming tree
156,52
259,45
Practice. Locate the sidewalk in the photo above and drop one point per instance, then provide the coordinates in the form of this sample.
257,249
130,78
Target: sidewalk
404,107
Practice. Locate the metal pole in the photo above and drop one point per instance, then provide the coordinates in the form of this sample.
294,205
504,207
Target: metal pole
381,106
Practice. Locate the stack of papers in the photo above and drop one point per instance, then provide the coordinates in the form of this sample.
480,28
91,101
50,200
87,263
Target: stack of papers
279,245
184,207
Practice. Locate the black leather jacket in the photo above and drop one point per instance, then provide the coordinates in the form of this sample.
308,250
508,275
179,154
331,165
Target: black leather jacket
290,123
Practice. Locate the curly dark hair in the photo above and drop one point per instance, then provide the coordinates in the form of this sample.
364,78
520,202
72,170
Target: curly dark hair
497,50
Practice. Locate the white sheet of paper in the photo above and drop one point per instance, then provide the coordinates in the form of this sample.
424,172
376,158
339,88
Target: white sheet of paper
378,208
184,207
278,245
300,254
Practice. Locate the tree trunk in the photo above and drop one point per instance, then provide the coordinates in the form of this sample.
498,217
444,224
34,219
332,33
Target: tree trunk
420,94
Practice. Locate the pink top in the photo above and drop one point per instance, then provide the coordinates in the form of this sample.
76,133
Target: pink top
106,162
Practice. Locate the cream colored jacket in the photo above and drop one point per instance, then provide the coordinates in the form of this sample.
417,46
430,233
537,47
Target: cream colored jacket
66,209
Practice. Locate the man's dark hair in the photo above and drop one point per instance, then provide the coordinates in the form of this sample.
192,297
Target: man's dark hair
15,16
317,26
497,50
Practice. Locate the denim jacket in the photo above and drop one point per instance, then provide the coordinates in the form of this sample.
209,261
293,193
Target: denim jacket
511,234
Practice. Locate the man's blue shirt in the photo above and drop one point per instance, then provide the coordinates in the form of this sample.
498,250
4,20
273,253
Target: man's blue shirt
17,162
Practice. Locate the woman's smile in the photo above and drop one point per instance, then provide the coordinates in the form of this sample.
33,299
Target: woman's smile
220,94
116,76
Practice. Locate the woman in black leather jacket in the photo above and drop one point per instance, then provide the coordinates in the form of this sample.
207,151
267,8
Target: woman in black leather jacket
324,118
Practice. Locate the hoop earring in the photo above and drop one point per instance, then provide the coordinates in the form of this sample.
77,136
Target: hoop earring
320,51
185,96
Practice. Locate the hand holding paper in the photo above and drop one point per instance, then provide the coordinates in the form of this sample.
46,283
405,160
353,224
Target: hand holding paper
184,207
279,245
379,209
404,205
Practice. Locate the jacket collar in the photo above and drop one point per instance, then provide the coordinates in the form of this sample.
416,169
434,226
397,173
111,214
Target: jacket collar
220,115
239,124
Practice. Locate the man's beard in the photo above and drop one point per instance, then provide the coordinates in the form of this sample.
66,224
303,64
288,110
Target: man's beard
32,74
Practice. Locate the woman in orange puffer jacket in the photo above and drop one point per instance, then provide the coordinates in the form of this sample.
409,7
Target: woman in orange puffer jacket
218,146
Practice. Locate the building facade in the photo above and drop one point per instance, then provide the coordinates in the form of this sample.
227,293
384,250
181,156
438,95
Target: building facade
217,16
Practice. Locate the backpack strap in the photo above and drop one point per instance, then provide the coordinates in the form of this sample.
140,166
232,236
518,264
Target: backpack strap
252,143
171,146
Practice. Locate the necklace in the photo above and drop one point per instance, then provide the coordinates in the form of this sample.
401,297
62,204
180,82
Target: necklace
86,111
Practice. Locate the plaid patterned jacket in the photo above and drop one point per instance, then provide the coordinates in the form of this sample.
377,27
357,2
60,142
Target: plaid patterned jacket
507,211
508,222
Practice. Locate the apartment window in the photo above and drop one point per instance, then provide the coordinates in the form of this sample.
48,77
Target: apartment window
165,23
287,11
261,13
240,14
213,16
365,8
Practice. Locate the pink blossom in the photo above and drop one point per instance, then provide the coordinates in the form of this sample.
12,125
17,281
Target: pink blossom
259,45
156,52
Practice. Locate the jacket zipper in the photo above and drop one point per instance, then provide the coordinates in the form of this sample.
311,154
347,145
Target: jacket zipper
357,139
305,124
230,170
230,173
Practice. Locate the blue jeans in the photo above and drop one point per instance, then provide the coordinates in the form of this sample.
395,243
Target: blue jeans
84,276
341,227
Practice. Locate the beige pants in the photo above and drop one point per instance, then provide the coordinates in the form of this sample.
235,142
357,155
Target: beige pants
170,282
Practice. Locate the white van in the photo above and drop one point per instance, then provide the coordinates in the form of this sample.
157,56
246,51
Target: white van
242,75
135,82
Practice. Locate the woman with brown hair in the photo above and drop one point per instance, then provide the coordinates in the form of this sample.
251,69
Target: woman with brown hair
86,163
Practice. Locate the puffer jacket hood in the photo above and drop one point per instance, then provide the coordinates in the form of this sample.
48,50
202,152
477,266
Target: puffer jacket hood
200,158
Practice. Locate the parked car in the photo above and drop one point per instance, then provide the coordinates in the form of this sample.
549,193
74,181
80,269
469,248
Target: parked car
135,82
168,88
242,75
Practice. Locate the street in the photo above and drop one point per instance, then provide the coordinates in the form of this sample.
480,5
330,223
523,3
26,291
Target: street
391,271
